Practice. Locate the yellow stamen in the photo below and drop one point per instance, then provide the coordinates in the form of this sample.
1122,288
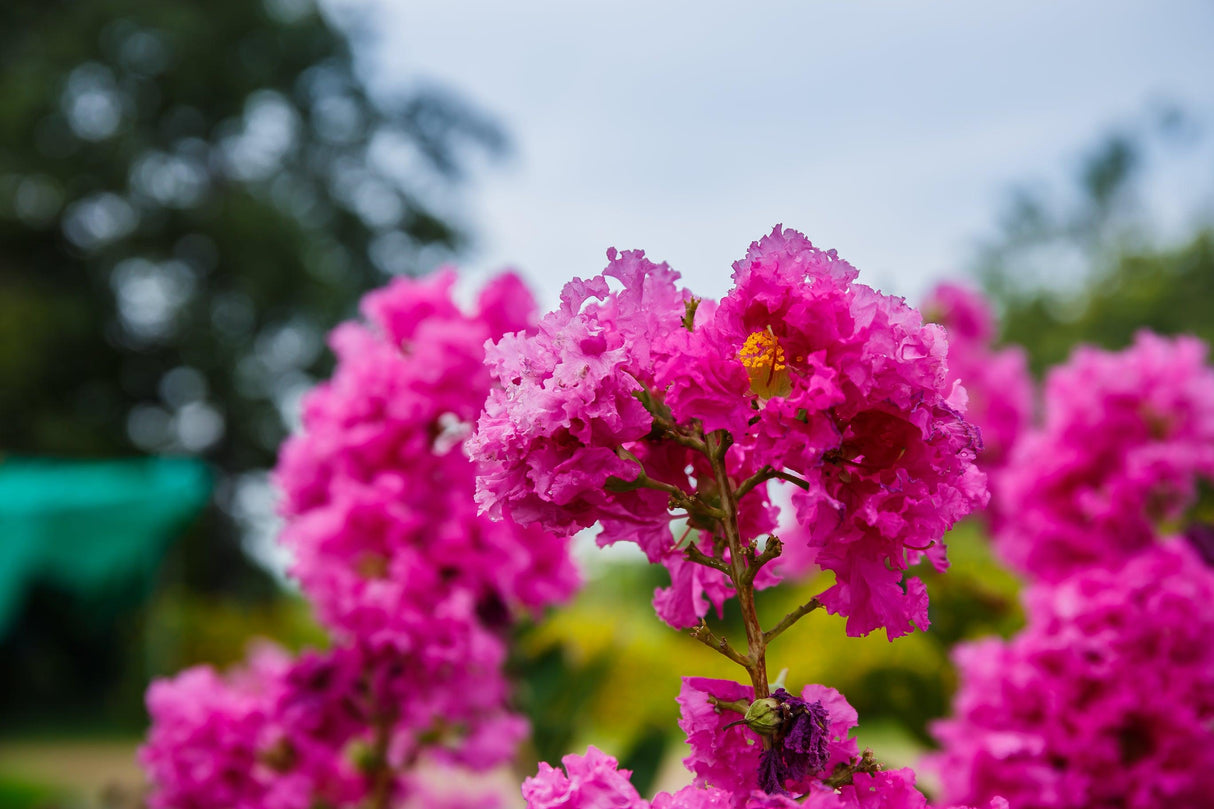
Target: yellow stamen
766,364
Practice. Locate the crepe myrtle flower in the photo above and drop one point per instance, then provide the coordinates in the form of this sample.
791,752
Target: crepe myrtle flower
798,730
782,743
636,404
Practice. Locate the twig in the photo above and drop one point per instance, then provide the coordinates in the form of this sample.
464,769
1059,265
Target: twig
790,619
793,479
698,556
762,476
718,443
771,551
720,643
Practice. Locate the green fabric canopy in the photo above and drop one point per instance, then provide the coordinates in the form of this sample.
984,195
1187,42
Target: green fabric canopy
89,525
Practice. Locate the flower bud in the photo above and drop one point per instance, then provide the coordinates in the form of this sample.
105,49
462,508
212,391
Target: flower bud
764,716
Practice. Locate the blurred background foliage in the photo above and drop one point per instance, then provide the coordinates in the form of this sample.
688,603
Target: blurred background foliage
192,194
1087,267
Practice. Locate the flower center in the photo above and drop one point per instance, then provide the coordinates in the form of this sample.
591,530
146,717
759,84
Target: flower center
766,364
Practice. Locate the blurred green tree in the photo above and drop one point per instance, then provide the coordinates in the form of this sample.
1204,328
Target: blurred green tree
1121,276
191,195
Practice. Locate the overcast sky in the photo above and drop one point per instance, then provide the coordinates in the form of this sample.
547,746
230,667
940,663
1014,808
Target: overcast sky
888,130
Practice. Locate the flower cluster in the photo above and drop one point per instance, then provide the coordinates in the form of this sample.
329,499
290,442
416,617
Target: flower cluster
809,736
1127,436
997,381
415,586
333,728
378,492
727,760
629,404
1106,699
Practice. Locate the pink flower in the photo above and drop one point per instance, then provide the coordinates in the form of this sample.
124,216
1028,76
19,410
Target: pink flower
809,375
416,586
592,781
292,734
694,797
732,758
378,494
202,748
864,414
1105,699
548,438
1127,437
725,758
268,735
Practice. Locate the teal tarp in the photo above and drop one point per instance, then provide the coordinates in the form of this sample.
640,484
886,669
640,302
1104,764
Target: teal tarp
89,524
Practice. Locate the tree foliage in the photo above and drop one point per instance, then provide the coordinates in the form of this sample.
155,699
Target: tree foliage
1099,238
191,195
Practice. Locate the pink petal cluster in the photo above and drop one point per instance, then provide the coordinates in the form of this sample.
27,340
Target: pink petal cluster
807,373
870,422
997,381
286,733
594,781
566,402
1106,699
724,760
203,748
377,488
1126,438
885,789
416,587
728,758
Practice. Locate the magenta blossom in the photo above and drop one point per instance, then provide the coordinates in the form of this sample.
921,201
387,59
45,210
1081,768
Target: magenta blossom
1105,699
811,737
378,493
1127,437
608,413
323,729
594,781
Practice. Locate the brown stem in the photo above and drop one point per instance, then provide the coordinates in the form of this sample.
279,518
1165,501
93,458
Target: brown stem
678,497
720,644
698,556
797,481
737,706
756,665
381,774
762,476
769,473
773,549
792,617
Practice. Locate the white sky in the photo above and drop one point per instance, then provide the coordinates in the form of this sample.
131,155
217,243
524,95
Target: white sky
888,130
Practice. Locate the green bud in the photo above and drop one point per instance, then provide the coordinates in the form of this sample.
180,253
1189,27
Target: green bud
764,716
